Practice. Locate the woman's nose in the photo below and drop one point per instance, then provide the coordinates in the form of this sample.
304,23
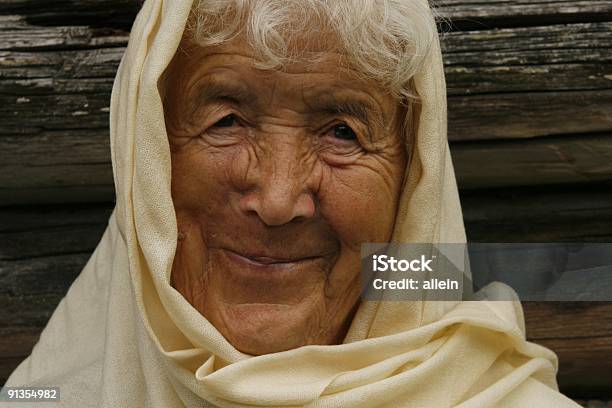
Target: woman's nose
276,206
281,193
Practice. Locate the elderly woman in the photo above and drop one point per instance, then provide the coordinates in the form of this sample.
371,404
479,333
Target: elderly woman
256,145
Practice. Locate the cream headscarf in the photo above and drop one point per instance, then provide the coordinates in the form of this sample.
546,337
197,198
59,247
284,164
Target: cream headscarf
123,337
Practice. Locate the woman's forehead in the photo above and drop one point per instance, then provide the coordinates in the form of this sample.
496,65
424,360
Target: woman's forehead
233,68
312,53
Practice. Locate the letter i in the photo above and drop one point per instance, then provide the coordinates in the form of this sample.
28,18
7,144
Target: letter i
374,262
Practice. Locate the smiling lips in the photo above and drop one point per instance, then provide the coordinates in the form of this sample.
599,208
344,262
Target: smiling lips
263,260
264,279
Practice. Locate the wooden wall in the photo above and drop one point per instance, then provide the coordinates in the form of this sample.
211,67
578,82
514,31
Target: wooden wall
530,125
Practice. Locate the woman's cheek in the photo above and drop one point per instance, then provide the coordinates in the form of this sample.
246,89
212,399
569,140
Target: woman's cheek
357,205
195,176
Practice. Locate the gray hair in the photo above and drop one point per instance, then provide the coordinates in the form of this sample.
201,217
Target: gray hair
385,40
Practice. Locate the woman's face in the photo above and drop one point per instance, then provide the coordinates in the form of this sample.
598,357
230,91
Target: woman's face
278,176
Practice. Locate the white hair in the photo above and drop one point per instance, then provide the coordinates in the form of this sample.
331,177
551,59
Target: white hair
385,40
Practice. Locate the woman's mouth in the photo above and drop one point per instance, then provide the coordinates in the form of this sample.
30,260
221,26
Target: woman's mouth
269,279
261,260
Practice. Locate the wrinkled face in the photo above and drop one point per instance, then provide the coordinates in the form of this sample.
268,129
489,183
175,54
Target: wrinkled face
278,176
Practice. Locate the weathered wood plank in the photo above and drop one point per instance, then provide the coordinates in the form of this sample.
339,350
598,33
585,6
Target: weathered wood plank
16,34
581,335
478,13
15,343
574,213
532,162
106,13
583,362
30,291
578,332
66,169
549,58
527,115
8,364
42,250
488,8
56,159
28,218
588,401
555,320
58,102
493,116
582,358
35,286
50,241
56,166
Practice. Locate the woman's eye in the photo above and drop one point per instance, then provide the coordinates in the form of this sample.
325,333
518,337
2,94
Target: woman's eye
344,132
226,121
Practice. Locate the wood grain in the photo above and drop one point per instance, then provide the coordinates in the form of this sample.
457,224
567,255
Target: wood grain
581,335
521,9
462,13
578,159
571,213
55,85
107,13
42,250
529,59
71,169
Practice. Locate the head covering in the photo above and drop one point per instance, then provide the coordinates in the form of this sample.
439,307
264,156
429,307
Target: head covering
124,337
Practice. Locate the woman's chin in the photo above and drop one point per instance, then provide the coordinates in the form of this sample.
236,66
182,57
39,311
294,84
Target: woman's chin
262,328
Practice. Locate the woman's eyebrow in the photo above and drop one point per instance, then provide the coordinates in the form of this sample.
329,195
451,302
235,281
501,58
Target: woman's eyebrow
358,108
218,90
